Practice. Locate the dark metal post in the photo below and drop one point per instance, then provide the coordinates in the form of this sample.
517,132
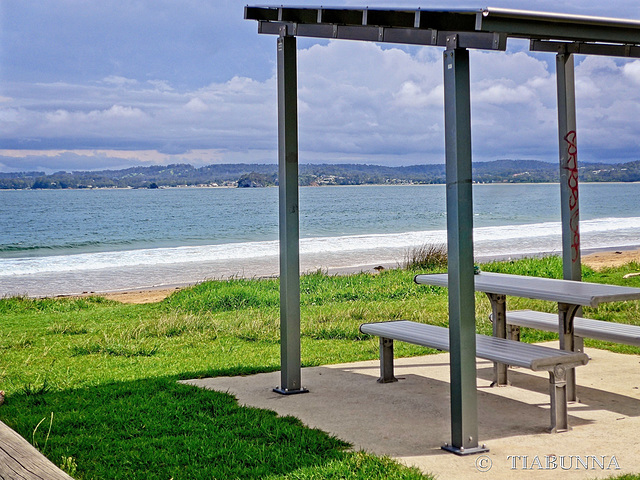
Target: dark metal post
462,327
290,371
569,207
568,167
386,361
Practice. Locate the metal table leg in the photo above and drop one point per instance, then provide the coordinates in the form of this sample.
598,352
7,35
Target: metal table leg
566,313
499,309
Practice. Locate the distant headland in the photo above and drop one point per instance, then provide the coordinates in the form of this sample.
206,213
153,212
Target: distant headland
264,175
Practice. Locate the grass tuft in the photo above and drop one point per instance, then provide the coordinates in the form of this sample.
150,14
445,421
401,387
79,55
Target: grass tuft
224,296
69,466
29,390
66,329
426,257
116,348
359,465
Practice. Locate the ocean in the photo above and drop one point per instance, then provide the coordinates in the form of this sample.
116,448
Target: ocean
58,242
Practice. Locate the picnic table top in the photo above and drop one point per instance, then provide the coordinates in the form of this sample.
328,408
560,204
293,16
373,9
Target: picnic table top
562,291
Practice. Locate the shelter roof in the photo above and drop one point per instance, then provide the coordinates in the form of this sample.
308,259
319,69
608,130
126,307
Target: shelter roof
486,28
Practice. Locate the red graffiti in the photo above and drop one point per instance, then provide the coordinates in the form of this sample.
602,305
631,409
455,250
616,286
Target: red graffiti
572,179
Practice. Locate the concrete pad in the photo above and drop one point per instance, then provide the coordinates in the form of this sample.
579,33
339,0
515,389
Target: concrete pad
410,420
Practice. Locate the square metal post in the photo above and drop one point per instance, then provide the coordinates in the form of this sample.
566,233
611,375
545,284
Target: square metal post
386,361
568,148
290,371
569,207
462,327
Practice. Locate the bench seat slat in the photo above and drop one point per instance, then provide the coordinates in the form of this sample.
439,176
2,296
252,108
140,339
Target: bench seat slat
582,327
534,357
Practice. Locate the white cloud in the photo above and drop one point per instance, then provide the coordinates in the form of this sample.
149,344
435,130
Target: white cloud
9,116
608,102
632,71
161,85
196,105
412,95
120,112
505,93
119,81
362,99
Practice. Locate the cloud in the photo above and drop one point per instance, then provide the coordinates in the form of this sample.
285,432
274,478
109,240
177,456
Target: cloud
120,79
123,114
632,71
196,105
366,99
413,95
608,102
506,93
55,160
67,161
356,101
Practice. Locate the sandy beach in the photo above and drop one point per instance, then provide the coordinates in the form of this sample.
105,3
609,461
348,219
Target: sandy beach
611,258
596,260
141,296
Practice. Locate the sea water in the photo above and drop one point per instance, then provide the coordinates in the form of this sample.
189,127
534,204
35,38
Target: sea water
73,241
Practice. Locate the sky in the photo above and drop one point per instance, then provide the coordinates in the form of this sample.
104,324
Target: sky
88,85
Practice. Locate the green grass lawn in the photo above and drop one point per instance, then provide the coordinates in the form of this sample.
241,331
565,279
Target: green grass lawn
92,383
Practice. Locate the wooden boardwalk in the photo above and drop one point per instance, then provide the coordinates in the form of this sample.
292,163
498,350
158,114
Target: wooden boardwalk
19,460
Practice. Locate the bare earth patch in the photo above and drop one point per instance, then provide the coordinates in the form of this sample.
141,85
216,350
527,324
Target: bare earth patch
612,258
141,296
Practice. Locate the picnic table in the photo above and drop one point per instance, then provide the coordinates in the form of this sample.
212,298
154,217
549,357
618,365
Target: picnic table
570,295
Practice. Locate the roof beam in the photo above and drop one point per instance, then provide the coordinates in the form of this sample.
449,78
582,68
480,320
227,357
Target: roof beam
409,36
609,50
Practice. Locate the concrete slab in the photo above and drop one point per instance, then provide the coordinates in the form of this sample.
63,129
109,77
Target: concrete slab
409,420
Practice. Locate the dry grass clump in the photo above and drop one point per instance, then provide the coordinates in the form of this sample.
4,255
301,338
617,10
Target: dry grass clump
426,257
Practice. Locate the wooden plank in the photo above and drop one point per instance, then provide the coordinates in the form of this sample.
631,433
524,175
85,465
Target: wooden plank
19,460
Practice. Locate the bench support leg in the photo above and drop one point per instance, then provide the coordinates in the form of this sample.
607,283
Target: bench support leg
386,361
513,333
499,307
578,344
558,394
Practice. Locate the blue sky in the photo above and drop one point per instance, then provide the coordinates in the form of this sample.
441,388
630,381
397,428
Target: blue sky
91,85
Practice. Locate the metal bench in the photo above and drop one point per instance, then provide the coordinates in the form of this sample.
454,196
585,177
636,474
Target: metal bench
501,350
582,328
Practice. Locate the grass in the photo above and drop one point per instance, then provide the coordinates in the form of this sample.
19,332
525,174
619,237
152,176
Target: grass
108,372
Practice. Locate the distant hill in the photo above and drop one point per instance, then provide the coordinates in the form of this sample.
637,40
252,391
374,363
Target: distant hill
258,175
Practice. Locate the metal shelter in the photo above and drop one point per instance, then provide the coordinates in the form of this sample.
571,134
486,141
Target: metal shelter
457,31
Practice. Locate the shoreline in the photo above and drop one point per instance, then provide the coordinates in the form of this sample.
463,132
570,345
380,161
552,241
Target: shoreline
596,258
399,184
